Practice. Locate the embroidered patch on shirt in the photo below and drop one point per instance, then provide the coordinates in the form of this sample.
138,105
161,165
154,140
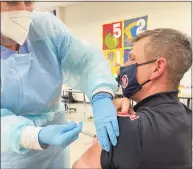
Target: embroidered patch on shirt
134,116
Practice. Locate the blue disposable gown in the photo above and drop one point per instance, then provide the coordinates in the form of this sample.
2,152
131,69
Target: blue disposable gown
31,80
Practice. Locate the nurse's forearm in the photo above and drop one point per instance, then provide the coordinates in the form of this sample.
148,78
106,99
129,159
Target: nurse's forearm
14,129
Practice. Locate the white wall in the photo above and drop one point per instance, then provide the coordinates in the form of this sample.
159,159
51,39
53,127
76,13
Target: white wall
86,19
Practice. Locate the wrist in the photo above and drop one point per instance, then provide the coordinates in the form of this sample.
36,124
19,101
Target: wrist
29,138
41,142
101,95
104,89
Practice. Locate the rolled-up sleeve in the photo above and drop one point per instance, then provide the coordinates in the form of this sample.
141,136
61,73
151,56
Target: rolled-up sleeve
126,155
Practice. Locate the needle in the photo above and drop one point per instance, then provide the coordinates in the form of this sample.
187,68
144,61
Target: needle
88,134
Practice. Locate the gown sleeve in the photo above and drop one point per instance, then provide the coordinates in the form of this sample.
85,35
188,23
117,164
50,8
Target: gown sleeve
84,66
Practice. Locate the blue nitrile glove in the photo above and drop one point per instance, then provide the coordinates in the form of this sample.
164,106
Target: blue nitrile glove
60,135
105,119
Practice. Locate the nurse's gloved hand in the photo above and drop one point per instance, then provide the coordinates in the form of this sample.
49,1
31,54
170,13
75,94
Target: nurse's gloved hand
105,118
60,135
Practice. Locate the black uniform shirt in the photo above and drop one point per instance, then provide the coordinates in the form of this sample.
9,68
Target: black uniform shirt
160,138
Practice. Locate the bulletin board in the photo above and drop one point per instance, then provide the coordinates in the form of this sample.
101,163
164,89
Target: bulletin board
117,38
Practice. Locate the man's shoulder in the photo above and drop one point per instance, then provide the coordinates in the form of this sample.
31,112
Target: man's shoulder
133,125
152,119
134,119
145,121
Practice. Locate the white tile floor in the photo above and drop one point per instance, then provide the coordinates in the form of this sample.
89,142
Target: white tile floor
84,141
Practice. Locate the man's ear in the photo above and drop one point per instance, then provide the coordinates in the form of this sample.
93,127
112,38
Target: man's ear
159,68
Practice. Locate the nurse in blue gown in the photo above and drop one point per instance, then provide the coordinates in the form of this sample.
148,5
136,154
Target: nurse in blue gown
38,54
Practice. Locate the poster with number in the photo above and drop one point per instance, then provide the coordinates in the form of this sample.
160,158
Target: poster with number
117,38
112,36
132,28
126,54
114,58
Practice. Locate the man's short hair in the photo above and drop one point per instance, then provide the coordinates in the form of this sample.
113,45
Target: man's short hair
174,46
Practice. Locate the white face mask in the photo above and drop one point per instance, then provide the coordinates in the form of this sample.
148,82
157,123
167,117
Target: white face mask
15,25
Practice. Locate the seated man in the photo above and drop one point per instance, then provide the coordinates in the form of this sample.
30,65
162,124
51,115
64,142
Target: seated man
159,135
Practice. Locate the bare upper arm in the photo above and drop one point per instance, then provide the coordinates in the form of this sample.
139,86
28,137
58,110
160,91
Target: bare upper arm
90,158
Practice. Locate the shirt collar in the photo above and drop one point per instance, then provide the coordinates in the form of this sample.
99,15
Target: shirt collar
158,98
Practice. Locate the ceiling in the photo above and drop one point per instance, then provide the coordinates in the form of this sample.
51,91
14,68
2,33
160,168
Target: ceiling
48,5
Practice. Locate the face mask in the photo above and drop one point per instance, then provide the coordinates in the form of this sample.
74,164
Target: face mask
15,25
129,81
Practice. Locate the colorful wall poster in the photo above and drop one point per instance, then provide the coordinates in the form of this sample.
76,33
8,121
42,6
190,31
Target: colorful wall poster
126,54
132,28
117,38
112,36
114,58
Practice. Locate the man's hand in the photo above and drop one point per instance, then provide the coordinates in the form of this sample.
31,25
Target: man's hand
124,105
